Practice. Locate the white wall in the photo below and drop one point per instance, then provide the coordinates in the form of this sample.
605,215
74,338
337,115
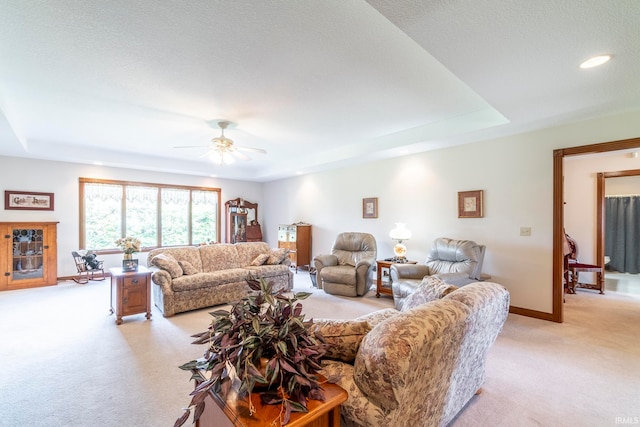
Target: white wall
62,179
623,185
421,190
516,174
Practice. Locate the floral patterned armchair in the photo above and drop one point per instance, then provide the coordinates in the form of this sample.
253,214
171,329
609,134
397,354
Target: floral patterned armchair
419,366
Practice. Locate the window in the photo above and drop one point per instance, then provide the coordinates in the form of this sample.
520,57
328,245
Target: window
158,215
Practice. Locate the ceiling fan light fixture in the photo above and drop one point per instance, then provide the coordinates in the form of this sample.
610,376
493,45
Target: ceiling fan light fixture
221,158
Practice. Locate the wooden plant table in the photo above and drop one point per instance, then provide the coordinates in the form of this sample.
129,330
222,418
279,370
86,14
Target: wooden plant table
234,412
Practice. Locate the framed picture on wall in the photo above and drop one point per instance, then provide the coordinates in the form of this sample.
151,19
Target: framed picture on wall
28,200
370,207
470,204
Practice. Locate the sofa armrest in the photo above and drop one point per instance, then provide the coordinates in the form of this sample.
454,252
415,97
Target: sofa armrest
408,271
378,316
161,278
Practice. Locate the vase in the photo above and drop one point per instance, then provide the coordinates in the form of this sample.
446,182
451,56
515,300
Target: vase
128,256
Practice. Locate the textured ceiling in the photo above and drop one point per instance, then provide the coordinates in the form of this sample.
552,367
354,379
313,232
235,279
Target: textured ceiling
317,84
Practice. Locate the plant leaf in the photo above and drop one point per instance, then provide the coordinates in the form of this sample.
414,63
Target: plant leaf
302,295
198,411
180,421
270,398
297,407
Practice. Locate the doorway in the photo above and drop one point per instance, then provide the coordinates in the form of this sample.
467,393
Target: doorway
558,214
621,281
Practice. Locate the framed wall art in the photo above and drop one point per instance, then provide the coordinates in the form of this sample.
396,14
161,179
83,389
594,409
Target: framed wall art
470,204
370,207
28,200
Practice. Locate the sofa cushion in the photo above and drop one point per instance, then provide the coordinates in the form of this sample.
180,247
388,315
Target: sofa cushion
187,268
167,263
276,256
431,288
248,251
219,257
266,271
210,280
260,259
342,336
180,253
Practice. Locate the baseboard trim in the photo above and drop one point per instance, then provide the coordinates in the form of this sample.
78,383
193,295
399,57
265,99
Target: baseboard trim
62,278
532,313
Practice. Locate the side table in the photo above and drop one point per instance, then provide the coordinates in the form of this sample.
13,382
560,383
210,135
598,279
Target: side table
383,286
233,411
130,292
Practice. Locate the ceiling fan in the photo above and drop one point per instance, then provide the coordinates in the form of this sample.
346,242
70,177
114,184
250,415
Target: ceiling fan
222,150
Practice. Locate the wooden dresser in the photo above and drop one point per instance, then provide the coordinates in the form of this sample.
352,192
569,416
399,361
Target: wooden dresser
296,238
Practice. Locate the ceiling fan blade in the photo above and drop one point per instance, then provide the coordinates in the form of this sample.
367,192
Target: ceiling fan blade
208,152
192,146
251,150
240,155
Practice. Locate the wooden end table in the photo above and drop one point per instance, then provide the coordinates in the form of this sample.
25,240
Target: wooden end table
130,292
234,412
383,286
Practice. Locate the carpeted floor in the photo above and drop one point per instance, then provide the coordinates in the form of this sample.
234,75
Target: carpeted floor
64,362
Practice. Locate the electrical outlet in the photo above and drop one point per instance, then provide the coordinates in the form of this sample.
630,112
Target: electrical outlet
525,231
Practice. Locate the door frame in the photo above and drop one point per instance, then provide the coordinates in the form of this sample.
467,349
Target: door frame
557,314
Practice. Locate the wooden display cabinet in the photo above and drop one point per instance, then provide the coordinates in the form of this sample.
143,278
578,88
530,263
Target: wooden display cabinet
241,217
28,254
130,292
296,238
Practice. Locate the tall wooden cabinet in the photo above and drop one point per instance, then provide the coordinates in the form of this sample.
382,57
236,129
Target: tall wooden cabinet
28,254
242,221
296,238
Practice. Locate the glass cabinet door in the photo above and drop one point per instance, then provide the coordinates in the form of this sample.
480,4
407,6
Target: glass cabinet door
27,254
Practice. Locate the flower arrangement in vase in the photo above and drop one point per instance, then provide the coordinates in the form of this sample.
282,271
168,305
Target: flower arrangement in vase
128,245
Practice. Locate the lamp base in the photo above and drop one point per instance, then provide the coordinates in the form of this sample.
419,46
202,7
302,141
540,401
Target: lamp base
400,250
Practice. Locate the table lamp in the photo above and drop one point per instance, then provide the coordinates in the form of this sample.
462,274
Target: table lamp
400,233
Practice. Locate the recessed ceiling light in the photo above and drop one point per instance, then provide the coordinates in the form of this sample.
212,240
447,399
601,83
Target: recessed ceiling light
595,61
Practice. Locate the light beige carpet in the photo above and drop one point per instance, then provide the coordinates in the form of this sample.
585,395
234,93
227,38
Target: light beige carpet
64,362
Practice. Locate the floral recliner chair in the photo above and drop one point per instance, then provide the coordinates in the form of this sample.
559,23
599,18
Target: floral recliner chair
419,366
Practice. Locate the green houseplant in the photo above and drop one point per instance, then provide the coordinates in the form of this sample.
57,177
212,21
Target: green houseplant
264,342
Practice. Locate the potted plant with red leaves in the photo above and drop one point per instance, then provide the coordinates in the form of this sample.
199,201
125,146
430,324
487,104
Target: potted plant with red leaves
265,344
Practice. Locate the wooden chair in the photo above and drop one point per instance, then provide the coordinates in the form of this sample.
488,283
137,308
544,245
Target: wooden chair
572,267
86,272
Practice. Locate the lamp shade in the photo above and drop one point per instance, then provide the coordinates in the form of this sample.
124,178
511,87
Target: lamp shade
401,232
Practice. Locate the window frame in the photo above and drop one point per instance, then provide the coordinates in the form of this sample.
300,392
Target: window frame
124,184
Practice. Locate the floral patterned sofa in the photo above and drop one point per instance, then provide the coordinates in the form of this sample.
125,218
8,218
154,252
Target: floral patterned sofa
418,366
190,277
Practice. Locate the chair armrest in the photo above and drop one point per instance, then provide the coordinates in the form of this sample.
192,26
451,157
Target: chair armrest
324,261
457,279
367,262
408,271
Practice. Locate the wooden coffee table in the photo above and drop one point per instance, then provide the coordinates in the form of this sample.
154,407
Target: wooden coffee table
234,412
